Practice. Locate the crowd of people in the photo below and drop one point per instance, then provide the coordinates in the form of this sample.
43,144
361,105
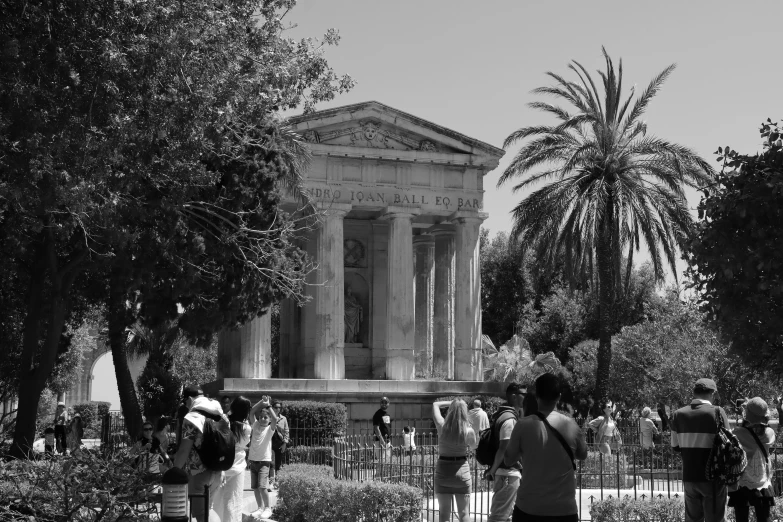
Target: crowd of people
536,444
64,435
259,434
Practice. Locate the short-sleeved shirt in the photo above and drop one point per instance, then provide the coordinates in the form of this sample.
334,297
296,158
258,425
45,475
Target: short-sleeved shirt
261,442
505,434
382,419
548,485
478,420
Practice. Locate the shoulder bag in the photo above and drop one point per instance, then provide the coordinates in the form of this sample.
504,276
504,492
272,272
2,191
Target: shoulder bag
559,438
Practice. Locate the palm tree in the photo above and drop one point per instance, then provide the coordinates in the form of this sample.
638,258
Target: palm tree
612,187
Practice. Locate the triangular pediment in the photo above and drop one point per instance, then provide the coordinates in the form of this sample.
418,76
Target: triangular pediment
372,125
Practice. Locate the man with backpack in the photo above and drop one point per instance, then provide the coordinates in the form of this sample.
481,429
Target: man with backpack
206,449
693,430
505,477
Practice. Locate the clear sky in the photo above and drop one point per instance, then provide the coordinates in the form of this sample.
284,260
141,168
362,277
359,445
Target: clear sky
470,66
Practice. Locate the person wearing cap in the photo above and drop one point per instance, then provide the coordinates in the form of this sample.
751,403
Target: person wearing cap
187,457
693,431
60,423
754,487
381,424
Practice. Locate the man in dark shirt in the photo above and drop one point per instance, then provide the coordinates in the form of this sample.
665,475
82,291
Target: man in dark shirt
693,431
381,423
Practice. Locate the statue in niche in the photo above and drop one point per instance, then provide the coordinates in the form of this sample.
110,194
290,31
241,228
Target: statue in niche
354,315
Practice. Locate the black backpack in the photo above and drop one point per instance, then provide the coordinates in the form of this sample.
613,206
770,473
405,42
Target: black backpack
217,445
489,439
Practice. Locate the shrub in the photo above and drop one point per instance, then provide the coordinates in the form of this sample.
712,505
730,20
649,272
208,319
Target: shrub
321,455
159,388
84,488
657,510
653,510
312,494
315,423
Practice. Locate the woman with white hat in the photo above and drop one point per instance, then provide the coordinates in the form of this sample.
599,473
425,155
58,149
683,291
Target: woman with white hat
754,487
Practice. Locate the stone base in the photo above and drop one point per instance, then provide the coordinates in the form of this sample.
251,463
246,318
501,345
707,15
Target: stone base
409,399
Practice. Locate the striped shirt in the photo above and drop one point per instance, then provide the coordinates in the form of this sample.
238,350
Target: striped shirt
693,431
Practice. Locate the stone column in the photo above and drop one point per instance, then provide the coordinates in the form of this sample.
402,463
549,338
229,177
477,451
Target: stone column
467,302
443,313
400,362
245,352
329,296
424,246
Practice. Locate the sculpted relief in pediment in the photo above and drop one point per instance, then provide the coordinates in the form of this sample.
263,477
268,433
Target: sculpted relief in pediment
370,133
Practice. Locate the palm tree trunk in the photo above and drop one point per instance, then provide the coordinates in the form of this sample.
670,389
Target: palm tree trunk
606,292
129,401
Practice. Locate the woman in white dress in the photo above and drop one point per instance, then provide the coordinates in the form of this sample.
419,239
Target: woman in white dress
229,497
607,435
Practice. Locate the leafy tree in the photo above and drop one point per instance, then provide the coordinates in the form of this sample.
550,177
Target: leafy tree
567,317
736,254
141,163
661,358
615,188
505,285
196,364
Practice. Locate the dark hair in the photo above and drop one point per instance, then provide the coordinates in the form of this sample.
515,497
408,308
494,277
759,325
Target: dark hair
223,399
515,389
604,403
240,409
147,423
530,404
275,403
162,423
548,387
406,429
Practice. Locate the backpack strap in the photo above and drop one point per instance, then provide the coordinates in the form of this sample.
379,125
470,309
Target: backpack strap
559,438
758,441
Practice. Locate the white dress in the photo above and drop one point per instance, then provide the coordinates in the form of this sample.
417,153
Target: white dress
229,498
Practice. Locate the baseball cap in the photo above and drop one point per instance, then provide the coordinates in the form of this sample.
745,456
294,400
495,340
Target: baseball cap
705,385
192,391
60,404
756,411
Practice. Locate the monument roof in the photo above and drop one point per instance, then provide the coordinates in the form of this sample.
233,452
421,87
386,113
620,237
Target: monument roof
373,125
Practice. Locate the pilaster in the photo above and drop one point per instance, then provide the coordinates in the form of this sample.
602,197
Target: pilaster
424,247
400,361
443,309
245,352
329,296
467,302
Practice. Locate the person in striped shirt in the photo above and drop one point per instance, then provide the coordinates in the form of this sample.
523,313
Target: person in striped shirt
693,430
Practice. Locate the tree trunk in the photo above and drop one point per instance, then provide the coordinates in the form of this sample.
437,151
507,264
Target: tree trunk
606,292
35,373
129,401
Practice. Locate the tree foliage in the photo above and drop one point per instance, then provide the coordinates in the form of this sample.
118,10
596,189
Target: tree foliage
736,254
661,358
612,187
141,167
505,285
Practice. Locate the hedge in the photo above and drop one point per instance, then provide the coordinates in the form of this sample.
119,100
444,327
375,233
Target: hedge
311,494
321,455
312,423
91,412
658,510
489,403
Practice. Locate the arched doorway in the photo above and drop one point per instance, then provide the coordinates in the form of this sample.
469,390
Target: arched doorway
104,381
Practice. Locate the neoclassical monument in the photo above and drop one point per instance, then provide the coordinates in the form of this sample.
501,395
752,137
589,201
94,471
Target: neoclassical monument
397,291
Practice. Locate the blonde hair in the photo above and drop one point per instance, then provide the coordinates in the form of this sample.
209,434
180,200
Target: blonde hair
646,411
456,423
